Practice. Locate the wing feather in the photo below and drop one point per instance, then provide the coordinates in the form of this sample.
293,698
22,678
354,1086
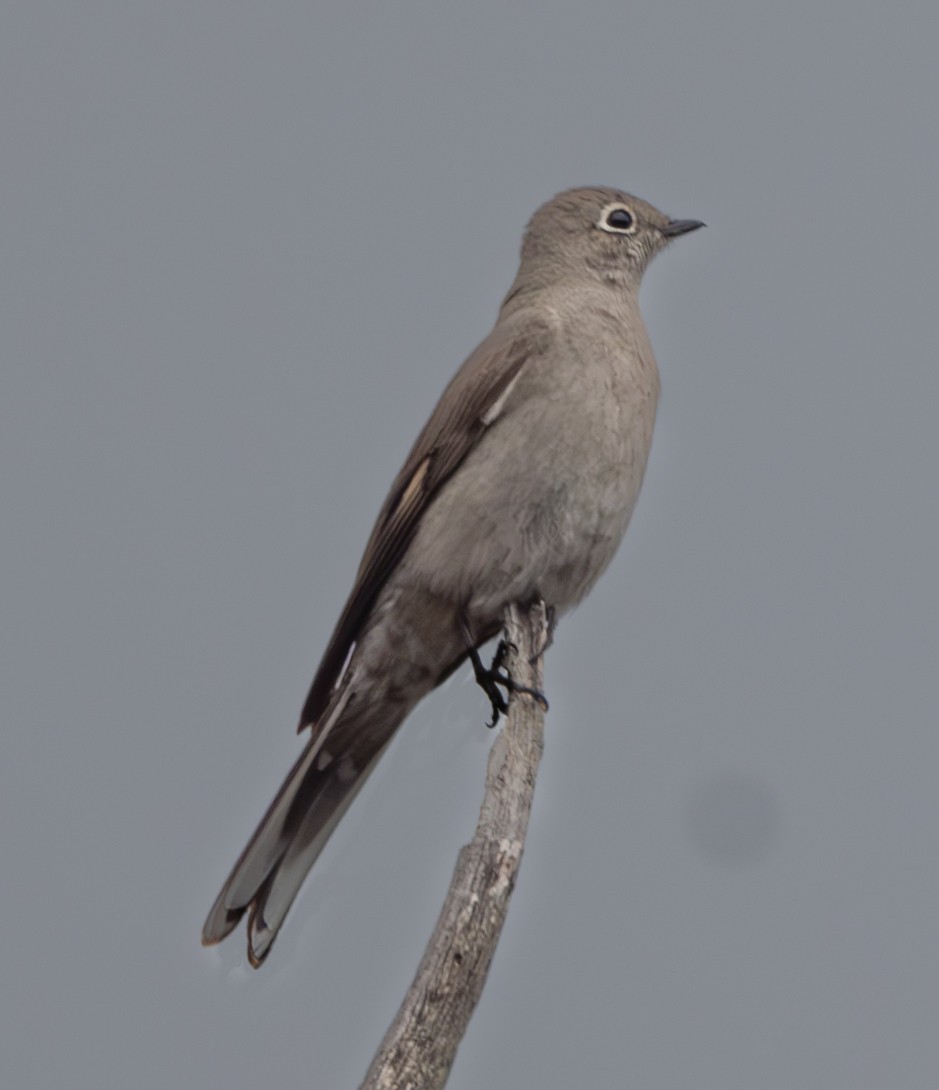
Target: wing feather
471,403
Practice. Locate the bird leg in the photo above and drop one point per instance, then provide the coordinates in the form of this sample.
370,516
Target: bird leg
490,679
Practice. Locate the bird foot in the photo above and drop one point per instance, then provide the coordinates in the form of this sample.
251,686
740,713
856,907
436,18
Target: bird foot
490,679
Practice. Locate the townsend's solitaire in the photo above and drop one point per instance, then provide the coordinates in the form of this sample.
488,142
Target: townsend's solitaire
520,485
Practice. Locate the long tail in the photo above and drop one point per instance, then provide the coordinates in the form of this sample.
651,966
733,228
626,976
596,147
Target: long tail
317,792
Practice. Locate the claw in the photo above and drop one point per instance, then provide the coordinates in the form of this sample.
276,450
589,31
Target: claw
490,679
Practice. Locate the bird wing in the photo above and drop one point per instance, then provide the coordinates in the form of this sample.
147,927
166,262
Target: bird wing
471,403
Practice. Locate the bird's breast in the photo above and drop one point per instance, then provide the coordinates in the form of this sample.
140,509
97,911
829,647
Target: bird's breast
542,502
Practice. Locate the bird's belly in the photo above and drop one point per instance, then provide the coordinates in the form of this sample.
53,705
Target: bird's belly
539,509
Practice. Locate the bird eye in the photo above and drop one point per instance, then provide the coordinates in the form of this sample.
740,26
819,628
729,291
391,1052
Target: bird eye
618,220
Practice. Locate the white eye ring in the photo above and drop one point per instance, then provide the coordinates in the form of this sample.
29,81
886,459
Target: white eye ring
627,226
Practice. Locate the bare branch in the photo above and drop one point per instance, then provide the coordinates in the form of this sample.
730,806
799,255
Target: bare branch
420,1045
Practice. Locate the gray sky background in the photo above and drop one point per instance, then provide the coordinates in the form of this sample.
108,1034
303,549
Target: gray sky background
243,248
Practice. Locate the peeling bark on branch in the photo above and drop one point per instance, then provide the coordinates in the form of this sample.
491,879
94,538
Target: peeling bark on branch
420,1045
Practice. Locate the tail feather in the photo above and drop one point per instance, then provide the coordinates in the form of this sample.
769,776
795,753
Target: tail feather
261,855
316,793
270,906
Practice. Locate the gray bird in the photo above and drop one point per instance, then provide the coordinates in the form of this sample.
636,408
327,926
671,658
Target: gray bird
520,485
